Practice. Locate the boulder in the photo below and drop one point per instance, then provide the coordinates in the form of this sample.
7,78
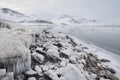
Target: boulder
38,57
14,55
31,78
30,73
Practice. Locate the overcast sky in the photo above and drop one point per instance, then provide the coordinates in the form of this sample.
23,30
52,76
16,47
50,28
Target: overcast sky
100,9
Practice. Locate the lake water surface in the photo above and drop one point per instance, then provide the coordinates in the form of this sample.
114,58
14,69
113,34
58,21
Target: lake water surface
104,37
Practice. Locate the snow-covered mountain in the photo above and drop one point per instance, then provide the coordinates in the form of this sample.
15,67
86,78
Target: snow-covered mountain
14,16
11,15
68,19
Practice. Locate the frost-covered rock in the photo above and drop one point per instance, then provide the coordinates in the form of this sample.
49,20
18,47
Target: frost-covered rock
8,76
66,52
14,56
73,73
53,53
31,78
45,68
2,72
31,73
52,75
38,57
4,25
73,59
38,70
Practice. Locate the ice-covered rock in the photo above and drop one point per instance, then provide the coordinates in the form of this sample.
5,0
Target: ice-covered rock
31,78
45,68
14,56
66,52
2,72
4,24
52,75
38,57
31,73
73,73
53,53
38,70
8,76
73,59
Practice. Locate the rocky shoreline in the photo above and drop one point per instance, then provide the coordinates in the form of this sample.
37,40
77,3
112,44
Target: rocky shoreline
53,56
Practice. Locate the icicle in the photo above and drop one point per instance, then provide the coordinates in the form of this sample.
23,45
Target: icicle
2,72
14,56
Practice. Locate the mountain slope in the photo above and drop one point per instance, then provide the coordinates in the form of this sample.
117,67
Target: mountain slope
68,19
14,16
11,15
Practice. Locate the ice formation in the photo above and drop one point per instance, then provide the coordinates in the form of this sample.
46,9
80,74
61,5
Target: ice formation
6,76
14,55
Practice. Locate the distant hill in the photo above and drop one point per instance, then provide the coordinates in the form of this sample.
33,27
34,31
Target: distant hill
68,19
11,15
14,16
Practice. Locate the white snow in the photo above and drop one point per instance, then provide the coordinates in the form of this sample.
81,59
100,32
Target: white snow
73,73
11,15
8,76
38,70
53,53
31,78
68,19
30,72
2,72
67,52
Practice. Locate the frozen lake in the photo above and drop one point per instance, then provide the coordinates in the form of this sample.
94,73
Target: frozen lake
104,37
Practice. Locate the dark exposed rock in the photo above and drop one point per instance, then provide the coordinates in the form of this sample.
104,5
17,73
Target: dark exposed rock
97,78
47,77
40,21
59,75
58,45
112,70
71,41
63,55
104,60
33,47
92,66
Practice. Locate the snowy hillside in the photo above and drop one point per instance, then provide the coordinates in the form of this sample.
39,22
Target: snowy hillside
14,16
67,19
11,15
